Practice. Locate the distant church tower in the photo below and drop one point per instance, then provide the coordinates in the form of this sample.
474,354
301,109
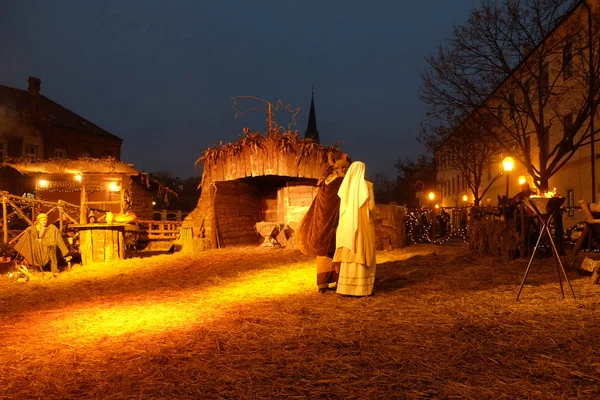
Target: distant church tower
311,128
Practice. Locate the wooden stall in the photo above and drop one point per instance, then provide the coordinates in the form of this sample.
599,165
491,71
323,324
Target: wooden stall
100,185
259,182
101,242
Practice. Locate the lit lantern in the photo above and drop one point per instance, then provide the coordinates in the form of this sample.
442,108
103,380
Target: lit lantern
113,187
437,206
508,164
43,183
431,195
465,198
522,180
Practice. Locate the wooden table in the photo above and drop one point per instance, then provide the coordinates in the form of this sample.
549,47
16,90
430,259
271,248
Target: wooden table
101,242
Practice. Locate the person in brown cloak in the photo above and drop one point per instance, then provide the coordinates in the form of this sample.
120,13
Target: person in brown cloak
316,233
39,244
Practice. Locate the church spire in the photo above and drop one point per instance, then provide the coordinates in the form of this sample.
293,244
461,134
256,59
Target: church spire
311,128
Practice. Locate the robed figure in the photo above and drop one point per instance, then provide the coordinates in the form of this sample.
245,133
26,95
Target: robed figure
316,233
355,237
40,243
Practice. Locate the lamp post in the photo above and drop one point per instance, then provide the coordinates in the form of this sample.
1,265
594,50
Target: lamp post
507,164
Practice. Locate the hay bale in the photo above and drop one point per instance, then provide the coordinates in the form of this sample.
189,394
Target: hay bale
492,238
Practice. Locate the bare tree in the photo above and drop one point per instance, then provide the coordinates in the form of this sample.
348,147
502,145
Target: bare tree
531,66
467,148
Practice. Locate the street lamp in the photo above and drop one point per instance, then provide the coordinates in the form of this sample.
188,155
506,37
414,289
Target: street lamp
507,164
465,198
522,180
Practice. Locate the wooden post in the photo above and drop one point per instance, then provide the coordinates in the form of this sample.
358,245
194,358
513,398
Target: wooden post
60,217
213,218
83,201
4,218
122,193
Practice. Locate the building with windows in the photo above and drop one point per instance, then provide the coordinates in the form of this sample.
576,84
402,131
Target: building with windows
546,110
34,127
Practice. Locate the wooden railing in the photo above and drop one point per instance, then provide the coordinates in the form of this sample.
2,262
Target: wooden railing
159,230
26,209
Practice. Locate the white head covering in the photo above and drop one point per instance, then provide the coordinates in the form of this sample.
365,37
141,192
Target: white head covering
353,193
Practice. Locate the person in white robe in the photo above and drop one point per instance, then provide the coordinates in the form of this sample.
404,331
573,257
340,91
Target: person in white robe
355,236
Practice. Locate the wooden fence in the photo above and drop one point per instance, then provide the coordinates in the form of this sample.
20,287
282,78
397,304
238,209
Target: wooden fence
159,230
26,209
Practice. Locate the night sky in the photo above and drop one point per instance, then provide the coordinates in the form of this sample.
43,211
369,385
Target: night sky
160,74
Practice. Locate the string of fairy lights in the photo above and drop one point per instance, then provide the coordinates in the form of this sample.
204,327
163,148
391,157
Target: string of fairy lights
419,231
419,228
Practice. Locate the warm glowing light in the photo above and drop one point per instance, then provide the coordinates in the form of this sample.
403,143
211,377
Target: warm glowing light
43,183
113,187
182,309
465,197
508,164
78,178
431,195
437,206
522,180
153,203
549,194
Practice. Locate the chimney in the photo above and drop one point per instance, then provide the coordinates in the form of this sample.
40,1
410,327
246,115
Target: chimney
34,86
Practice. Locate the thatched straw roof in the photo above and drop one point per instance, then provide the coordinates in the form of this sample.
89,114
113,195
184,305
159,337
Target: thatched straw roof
80,166
255,154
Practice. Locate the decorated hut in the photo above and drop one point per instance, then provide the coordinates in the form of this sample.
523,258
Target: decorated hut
102,184
256,190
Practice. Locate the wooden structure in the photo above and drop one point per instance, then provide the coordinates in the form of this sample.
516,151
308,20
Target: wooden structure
93,184
101,242
26,209
260,178
592,227
160,230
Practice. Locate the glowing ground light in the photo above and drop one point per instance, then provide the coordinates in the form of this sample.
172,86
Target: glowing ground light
177,309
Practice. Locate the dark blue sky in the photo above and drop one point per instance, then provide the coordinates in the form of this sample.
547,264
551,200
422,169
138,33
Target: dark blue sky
160,74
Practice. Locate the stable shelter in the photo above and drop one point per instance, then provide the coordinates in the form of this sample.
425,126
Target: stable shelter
257,189
91,184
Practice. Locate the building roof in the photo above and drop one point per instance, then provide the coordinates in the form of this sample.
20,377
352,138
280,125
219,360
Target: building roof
22,102
80,166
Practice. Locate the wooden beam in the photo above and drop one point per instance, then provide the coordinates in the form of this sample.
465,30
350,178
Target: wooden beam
83,201
4,219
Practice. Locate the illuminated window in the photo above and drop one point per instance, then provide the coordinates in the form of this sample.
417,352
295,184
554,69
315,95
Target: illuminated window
31,152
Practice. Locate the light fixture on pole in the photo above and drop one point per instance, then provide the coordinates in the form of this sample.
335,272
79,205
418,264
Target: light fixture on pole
431,197
465,198
508,164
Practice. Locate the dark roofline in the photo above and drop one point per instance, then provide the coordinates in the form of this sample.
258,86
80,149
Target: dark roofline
89,129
